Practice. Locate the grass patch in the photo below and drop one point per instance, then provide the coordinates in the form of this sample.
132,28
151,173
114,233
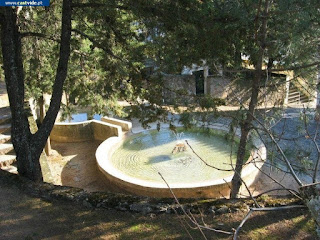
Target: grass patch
143,227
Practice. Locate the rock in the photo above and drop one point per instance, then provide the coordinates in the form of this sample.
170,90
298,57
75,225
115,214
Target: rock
86,204
222,210
144,208
162,208
212,210
69,196
121,208
168,211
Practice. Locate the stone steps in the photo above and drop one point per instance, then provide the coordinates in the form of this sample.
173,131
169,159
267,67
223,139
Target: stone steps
5,119
5,128
5,138
10,169
7,157
6,160
5,148
296,96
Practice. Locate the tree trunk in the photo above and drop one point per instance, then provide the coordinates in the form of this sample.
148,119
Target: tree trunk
28,147
246,124
14,77
317,114
42,106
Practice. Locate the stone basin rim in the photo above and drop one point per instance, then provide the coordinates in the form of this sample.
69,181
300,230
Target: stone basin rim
109,146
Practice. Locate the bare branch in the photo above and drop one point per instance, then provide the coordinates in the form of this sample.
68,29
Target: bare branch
236,233
198,226
296,67
280,150
235,236
186,214
207,164
289,190
313,139
275,189
277,208
314,64
248,190
311,184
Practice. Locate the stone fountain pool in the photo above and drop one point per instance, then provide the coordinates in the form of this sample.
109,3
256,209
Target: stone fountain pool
145,154
134,162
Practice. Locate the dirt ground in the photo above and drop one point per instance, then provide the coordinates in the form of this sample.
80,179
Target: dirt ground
74,164
30,218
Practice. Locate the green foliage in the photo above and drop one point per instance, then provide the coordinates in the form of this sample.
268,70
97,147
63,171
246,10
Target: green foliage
40,54
209,103
113,42
188,120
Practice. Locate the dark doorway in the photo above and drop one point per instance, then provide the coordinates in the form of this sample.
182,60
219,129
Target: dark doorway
199,77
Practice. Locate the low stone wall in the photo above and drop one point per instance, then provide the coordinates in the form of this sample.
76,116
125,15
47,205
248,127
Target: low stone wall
125,125
72,132
103,130
84,131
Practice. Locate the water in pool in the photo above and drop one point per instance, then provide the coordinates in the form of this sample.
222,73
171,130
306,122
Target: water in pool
143,155
80,117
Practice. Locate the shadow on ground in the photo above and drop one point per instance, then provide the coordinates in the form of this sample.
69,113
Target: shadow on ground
78,167
29,218
24,217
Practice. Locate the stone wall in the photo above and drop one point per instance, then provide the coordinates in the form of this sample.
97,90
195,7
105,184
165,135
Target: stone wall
235,91
125,125
84,131
103,130
178,83
223,87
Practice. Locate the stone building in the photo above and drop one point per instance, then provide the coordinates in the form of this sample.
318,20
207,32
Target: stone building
278,88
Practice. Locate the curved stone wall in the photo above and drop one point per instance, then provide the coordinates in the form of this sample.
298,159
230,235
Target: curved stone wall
84,131
210,189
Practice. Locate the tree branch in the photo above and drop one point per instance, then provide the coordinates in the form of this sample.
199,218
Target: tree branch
97,5
274,70
97,44
186,214
293,173
314,141
207,164
236,233
40,35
